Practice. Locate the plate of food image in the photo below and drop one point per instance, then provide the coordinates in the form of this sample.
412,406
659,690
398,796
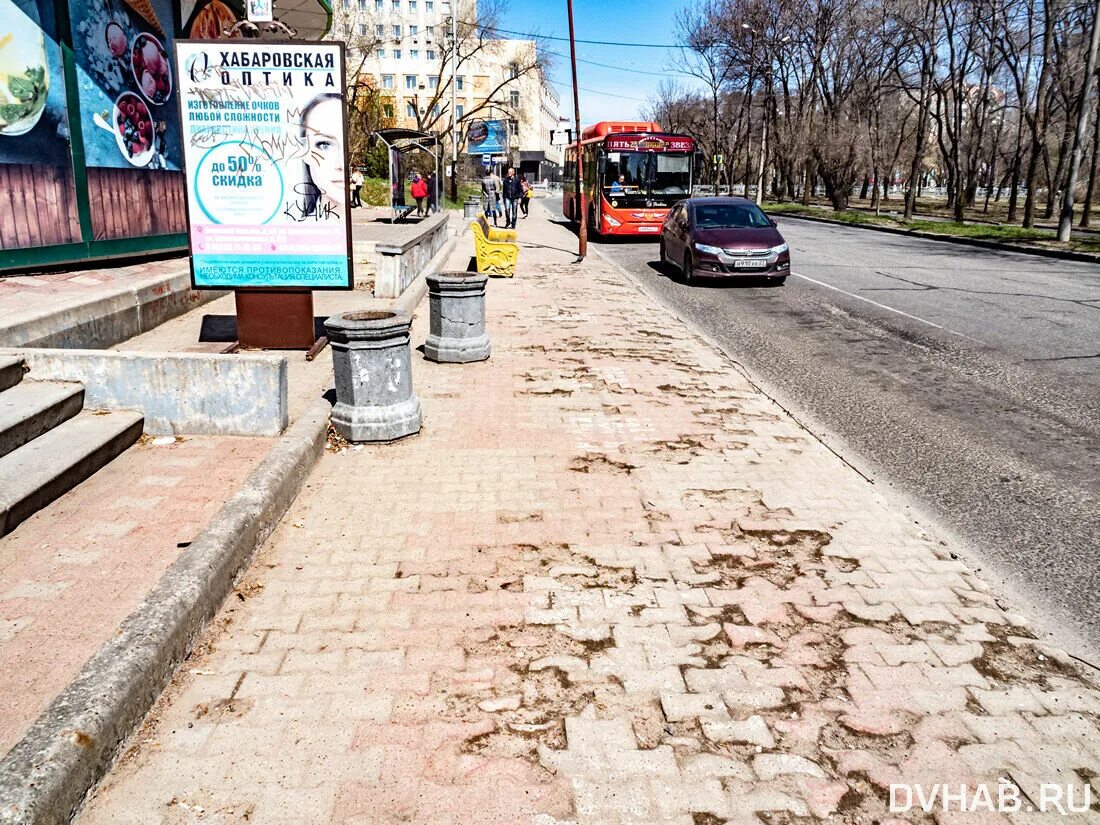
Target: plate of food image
152,72
133,128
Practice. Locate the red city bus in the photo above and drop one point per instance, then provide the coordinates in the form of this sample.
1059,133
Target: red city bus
633,173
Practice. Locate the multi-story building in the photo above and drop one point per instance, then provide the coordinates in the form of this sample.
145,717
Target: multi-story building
402,48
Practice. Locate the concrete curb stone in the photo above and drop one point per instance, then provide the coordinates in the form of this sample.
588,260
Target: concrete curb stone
46,776
932,236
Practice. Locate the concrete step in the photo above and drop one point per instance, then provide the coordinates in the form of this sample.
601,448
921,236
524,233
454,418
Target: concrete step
55,462
32,408
11,371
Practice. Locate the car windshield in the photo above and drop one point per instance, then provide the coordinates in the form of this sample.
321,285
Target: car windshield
730,216
646,178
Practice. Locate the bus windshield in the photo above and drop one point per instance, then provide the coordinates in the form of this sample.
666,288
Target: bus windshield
646,178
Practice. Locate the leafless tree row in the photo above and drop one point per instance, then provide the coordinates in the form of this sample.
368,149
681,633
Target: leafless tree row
885,98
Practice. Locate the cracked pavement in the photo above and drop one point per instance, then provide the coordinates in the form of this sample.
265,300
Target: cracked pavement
609,582
965,378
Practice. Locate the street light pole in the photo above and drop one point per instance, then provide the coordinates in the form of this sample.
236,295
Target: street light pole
578,203
767,75
1065,219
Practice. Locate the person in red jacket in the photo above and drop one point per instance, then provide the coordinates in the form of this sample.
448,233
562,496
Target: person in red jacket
419,191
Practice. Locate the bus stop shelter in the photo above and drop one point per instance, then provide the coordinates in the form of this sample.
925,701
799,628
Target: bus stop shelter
399,143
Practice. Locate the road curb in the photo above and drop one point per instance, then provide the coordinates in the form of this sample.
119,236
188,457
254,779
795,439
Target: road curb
45,777
932,236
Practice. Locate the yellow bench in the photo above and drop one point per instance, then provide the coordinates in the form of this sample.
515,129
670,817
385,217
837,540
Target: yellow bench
493,233
496,249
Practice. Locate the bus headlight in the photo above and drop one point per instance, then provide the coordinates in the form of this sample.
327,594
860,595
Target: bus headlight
610,221
709,250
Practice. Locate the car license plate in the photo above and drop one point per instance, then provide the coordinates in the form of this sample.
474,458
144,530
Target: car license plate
649,229
750,263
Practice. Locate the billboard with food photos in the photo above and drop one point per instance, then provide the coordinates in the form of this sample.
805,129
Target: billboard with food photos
265,153
34,126
122,50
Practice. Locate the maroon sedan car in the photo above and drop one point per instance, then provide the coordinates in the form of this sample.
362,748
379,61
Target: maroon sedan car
724,237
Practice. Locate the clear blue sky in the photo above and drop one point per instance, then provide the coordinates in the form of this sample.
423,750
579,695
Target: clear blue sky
617,94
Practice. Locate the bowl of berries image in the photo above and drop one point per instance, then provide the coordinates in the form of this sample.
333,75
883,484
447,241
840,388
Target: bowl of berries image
152,73
133,126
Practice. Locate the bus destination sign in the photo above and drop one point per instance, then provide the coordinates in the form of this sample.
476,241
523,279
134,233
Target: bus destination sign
648,143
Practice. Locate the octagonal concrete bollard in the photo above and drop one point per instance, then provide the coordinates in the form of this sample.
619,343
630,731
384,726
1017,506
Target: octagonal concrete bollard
456,303
372,362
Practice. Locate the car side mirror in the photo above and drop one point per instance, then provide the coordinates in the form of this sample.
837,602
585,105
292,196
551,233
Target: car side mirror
773,221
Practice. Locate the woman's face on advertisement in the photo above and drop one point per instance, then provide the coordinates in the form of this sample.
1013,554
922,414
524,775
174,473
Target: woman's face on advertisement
325,160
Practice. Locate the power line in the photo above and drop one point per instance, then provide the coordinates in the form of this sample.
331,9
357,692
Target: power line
535,36
598,92
618,68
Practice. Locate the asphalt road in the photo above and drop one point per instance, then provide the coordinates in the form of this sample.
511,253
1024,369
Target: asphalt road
966,379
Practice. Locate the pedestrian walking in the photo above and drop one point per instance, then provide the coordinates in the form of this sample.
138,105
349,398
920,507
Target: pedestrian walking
525,201
490,196
419,191
433,193
513,193
356,185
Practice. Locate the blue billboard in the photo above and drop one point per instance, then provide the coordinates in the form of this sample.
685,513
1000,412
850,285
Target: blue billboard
487,137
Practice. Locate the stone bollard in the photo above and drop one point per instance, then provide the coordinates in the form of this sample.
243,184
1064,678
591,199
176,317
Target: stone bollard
374,393
456,302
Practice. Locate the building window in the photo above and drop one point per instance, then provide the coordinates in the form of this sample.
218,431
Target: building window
387,81
414,54
363,29
513,71
460,83
430,31
378,5
410,81
387,109
381,54
410,110
513,128
433,83
397,54
431,54
346,4
397,32
362,5
460,110
413,31
435,111
379,31
412,5
514,98
429,5
397,5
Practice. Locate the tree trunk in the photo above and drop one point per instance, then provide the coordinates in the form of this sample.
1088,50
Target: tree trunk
1039,122
1086,208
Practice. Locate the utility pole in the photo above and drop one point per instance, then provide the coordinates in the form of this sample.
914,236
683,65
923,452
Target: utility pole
1065,220
582,240
454,101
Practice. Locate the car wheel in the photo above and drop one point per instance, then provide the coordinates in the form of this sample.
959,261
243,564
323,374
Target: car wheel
685,270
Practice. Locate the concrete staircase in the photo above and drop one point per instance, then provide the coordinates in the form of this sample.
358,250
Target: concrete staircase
49,443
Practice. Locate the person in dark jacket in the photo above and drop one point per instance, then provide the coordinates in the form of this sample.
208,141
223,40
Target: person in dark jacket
433,193
513,193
